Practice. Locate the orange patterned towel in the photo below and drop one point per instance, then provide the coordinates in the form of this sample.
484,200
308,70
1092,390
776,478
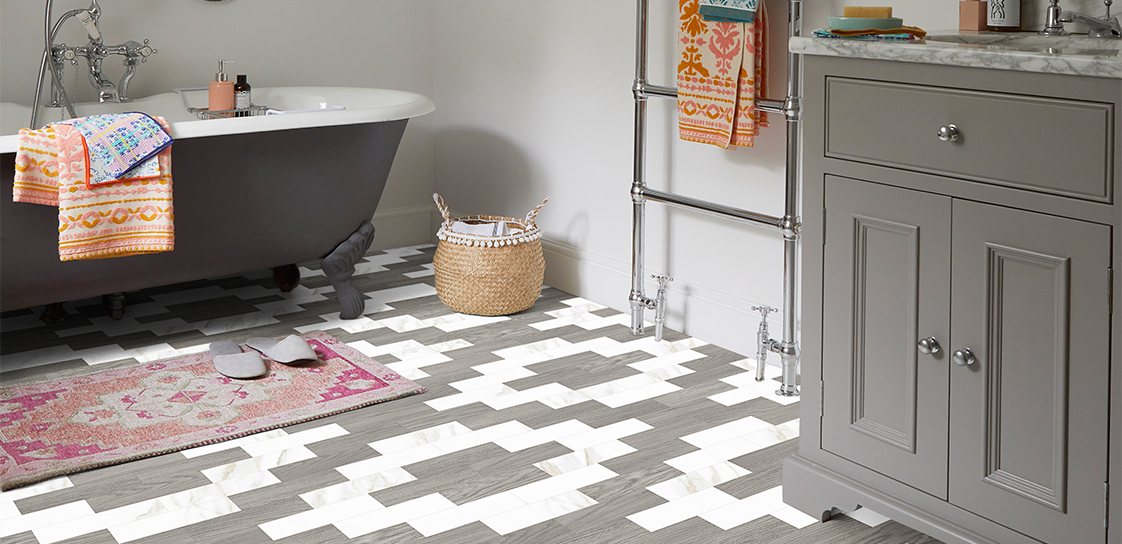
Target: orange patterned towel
36,176
720,74
114,220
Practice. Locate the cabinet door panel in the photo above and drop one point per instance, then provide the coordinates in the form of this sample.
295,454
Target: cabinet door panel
1028,418
885,404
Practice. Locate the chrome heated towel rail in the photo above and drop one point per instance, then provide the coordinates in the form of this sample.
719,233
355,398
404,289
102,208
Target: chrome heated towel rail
788,225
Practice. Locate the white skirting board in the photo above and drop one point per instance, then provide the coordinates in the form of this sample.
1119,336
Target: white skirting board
402,227
705,313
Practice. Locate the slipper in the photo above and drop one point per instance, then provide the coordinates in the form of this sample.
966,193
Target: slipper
291,350
231,361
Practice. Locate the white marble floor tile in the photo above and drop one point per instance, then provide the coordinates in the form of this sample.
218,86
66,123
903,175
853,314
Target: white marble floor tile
397,459
533,347
172,520
673,358
424,436
676,511
356,488
718,453
565,399
620,348
538,512
8,510
45,517
775,434
555,432
402,512
482,436
746,509
866,516
459,322
70,528
529,395
721,433
234,323
492,379
636,395
698,480
794,517
585,457
466,513
475,395
301,438
258,464
562,483
54,484
428,271
325,515
199,451
614,431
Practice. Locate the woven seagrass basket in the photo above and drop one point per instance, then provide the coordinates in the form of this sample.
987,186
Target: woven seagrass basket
489,275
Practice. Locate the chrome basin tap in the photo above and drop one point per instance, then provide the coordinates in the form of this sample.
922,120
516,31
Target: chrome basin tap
95,51
1097,27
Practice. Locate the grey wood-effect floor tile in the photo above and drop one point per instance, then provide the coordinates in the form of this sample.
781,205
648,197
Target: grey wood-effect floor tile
468,475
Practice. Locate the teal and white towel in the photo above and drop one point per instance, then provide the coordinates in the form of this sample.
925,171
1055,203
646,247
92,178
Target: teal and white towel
736,11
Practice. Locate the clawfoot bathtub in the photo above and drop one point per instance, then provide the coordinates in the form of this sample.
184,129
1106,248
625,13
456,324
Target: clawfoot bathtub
249,193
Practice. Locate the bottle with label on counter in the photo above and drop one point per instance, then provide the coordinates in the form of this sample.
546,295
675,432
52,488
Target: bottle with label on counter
1004,15
242,96
221,91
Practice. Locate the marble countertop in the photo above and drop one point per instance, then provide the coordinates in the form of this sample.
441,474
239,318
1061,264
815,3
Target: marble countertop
1023,51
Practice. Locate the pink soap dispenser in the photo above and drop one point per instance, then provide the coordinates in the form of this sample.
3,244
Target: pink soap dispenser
221,96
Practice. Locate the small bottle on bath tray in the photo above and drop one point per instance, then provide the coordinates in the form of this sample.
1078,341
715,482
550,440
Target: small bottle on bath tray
241,96
221,95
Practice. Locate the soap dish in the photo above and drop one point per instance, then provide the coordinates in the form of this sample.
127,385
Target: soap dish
863,23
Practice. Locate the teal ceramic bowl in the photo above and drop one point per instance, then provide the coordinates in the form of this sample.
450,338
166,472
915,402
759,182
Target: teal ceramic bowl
862,23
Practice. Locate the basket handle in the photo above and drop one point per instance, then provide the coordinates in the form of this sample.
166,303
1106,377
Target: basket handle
439,200
534,212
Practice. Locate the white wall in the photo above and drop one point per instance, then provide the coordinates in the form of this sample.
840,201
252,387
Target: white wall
533,100
536,101
366,43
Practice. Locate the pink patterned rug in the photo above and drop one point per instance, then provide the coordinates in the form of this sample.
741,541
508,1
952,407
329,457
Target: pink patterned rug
57,427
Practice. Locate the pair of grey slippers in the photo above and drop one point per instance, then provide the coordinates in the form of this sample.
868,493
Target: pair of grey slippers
230,360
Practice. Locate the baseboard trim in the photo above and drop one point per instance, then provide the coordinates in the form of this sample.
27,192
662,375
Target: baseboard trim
704,312
403,227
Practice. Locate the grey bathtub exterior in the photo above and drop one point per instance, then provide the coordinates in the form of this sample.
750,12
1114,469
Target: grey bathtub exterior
242,202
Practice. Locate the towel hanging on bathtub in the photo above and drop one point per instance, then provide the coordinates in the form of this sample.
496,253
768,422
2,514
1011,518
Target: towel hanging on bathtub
126,218
721,72
120,146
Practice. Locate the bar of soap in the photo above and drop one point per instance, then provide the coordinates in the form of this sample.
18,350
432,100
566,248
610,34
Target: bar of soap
867,12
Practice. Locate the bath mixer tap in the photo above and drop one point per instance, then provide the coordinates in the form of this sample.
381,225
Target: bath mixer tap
95,51
1053,25
1097,27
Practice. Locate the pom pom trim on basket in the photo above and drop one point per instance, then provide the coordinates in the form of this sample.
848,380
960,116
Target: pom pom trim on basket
529,233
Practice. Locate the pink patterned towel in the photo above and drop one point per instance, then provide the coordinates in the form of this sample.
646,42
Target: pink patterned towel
120,146
116,220
721,72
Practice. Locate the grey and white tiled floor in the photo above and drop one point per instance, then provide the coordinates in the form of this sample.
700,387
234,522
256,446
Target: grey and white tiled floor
553,425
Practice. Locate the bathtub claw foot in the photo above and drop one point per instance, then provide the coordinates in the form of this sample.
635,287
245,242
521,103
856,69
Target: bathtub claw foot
53,313
114,304
339,266
286,277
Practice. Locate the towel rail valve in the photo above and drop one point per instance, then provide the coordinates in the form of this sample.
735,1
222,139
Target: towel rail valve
660,304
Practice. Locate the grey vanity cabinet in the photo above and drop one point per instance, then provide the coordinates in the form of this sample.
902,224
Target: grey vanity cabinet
1018,432
956,325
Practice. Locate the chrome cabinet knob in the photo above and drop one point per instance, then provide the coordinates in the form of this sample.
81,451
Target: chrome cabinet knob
929,345
948,133
964,357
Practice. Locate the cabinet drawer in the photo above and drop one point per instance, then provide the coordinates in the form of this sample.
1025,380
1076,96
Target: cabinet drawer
1061,147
